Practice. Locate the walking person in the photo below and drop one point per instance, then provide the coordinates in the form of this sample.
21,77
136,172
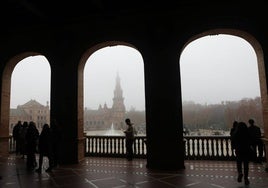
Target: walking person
44,148
256,141
242,151
129,134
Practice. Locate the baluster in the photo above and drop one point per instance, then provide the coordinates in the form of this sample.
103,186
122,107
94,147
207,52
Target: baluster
204,148
226,149
99,145
124,146
215,147
208,148
139,146
90,144
191,147
103,145
194,148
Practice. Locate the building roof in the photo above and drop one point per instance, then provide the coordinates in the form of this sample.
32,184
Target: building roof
31,103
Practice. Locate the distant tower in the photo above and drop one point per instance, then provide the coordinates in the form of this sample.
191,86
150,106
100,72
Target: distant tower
118,108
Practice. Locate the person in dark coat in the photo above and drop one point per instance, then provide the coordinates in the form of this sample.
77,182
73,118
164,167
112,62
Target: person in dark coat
232,131
22,139
130,137
44,148
256,141
32,136
242,151
16,135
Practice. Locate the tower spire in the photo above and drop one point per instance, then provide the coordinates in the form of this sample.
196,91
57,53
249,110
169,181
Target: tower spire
118,107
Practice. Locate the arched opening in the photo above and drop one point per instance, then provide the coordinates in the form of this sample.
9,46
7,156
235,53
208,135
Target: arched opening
7,105
248,75
30,92
111,88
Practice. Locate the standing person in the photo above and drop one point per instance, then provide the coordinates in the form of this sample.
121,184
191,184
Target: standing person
256,141
22,138
32,136
242,151
235,123
16,135
56,135
44,146
129,133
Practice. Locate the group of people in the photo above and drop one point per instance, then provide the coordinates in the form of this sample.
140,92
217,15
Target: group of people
246,141
29,142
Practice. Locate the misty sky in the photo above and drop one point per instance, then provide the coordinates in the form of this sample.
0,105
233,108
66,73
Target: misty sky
213,69
100,77
219,68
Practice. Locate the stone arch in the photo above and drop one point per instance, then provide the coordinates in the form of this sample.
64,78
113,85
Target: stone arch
260,63
5,98
81,66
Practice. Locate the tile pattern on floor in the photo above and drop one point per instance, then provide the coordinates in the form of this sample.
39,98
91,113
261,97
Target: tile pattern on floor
119,173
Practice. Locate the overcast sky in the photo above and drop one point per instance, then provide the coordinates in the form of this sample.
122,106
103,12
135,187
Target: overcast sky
219,68
213,69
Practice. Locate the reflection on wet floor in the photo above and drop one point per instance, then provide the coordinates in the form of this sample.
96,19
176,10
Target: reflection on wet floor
118,172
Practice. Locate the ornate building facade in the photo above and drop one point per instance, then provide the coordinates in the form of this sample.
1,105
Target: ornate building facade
30,111
104,117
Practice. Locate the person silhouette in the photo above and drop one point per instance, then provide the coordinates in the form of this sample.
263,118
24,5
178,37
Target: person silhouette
16,135
44,148
22,139
256,141
129,134
232,131
242,151
32,136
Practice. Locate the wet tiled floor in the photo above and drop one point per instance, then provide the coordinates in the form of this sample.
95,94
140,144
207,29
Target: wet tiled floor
96,172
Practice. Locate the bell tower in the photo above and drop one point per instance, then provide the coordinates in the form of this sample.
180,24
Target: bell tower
118,108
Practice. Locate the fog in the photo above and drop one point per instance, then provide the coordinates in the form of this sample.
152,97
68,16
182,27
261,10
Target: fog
100,77
213,69
219,68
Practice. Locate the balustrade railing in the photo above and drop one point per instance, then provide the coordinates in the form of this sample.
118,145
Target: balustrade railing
196,147
208,148
113,146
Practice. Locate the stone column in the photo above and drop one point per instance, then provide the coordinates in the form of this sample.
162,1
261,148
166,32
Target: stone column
164,127
64,104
